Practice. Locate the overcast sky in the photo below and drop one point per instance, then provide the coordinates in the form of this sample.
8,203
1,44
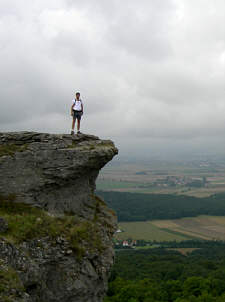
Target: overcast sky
151,73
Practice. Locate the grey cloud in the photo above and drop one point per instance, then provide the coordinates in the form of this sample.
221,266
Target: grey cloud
71,48
148,74
142,31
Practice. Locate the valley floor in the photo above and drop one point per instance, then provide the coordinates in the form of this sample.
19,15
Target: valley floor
201,227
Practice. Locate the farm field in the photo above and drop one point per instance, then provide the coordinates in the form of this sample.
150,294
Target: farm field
201,227
137,187
155,177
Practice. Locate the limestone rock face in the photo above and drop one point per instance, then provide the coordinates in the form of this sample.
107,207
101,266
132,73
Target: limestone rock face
54,174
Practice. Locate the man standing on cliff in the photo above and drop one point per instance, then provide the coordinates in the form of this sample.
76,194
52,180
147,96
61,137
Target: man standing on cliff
76,112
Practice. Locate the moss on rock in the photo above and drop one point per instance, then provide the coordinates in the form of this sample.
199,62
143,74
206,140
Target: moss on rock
26,223
11,149
11,287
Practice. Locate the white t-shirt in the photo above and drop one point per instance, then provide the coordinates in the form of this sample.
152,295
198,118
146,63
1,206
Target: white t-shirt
77,104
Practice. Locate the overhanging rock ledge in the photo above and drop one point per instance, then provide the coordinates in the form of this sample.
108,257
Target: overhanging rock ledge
54,172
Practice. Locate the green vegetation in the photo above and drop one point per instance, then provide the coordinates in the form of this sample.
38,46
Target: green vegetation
26,223
147,231
113,184
73,145
154,275
201,227
101,145
142,207
10,284
11,149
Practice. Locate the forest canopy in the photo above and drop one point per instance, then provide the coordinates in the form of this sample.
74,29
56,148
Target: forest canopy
155,275
142,207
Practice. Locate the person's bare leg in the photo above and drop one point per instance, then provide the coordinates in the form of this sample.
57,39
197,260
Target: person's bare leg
73,125
78,125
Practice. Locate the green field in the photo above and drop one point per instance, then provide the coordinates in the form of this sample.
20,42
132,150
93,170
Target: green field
113,184
134,187
201,227
138,187
146,230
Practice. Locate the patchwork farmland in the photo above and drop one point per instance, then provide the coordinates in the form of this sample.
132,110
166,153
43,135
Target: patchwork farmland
201,227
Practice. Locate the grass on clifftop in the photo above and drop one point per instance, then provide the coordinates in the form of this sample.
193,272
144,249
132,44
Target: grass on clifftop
26,223
11,149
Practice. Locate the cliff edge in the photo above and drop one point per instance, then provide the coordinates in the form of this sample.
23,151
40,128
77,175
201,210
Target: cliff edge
55,234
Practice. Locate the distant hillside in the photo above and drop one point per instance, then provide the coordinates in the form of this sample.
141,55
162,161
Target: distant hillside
141,207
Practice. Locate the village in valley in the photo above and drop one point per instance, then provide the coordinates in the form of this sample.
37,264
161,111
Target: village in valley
193,177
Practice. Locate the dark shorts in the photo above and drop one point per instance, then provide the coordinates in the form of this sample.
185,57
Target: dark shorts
77,115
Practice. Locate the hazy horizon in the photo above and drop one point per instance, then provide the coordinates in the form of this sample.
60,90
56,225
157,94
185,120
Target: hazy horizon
151,75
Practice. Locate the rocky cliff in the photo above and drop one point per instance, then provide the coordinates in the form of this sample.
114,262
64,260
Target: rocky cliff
55,234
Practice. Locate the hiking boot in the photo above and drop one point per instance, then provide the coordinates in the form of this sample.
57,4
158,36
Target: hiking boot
72,132
78,132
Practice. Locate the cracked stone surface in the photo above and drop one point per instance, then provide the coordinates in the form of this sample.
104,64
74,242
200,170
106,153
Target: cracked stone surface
56,173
